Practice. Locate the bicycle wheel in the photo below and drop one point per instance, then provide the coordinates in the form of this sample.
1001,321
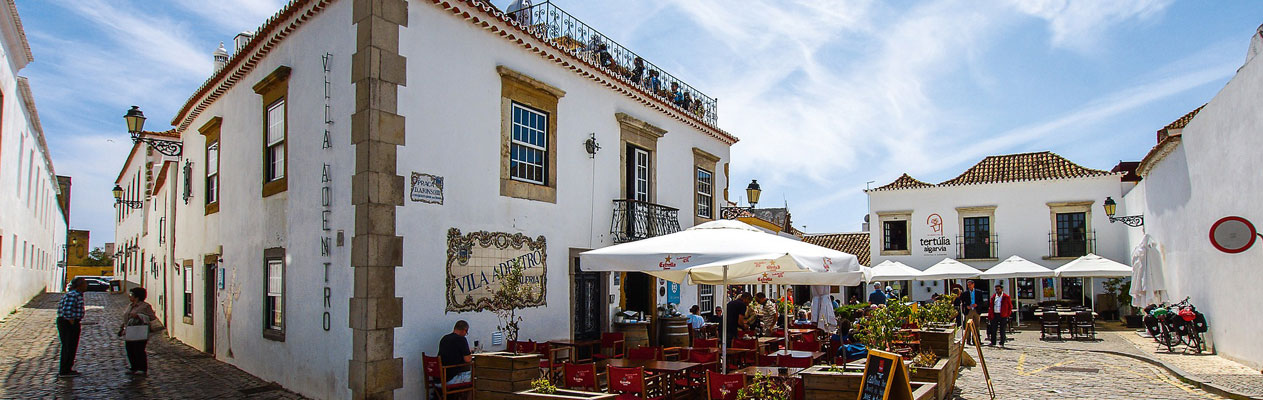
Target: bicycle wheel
1195,342
1167,338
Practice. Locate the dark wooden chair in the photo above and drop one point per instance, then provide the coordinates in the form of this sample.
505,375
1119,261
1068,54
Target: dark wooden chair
1049,324
436,378
1084,325
613,345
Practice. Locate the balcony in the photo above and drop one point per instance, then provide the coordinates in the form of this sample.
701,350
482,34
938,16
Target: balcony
552,24
634,220
1071,245
976,247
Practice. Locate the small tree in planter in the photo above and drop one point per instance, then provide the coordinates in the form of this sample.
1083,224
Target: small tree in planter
507,299
764,387
881,326
938,314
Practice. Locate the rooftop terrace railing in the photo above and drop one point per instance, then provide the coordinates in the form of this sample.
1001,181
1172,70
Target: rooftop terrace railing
552,24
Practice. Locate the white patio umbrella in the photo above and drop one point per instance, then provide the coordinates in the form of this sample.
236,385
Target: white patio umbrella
1093,266
1016,267
891,271
716,252
948,269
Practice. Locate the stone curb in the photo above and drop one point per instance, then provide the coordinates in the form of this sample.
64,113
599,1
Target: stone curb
1179,373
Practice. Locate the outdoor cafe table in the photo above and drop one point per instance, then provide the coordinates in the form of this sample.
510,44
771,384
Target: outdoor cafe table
815,355
593,346
768,342
668,368
732,351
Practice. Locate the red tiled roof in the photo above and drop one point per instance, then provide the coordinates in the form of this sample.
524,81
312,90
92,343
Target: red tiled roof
1183,121
852,243
1022,167
170,133
904,182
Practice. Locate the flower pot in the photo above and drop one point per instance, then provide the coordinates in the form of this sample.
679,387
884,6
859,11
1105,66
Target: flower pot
821,384
564,394
938,341
942,373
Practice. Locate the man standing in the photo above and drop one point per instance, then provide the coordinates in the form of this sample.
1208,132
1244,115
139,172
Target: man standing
768,312
1001,309
454,350
736,319
877,296
972,302
69,316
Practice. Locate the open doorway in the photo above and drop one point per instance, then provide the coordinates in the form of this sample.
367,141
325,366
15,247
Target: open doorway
638,290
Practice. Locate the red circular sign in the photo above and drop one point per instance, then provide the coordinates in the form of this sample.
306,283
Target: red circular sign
1232,234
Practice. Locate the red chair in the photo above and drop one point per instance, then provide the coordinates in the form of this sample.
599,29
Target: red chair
629,383
692,378
518,346
804,345
550,360
612,346
436,377
581,377
765,360
645,353
708,343
748,344
723,387
785,360
746,334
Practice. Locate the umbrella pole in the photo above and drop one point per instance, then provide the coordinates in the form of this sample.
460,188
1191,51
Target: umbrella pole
724,340
786,330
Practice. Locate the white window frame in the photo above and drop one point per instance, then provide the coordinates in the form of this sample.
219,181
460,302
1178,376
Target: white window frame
522,143
188,292
274,145
705,193
706,298
892,216
212,172
640,174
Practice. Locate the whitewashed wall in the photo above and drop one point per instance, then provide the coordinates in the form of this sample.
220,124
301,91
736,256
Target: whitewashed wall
1211,175
1022,222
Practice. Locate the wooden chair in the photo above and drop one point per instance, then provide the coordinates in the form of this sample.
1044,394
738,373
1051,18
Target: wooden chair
748,344
613,345
708,343
645,353
765,360
550,360
581,377
1049,324
723,386
436,377
695,377
1084,324
786,360
805,343
630,382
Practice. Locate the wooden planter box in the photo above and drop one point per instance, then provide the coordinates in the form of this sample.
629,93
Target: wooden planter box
565,394
502,375
819,384
943,374
939,341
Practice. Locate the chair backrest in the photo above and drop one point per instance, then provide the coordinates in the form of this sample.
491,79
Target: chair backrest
519,346
645,353
804,345
609,339
789,361
1050,318
778,332
627,380
581,376
723,386
750,344
699,356
433,368
1083,316
710,343
764,360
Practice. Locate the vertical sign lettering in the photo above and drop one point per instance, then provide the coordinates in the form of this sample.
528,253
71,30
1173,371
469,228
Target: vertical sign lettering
326,196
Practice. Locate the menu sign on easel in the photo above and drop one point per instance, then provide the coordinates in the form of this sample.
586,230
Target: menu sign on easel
885,378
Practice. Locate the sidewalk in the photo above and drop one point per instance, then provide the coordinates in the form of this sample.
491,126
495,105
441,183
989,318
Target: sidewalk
29,354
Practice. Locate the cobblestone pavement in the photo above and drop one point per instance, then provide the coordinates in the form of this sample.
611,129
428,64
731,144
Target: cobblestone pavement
29,352
1031,369
1204,367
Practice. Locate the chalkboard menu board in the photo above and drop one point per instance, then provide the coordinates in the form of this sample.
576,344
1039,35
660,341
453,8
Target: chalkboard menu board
884,376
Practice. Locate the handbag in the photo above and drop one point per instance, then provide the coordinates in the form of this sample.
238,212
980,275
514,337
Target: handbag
156,326
132,333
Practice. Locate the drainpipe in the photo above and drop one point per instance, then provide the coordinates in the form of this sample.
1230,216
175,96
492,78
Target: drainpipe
171,243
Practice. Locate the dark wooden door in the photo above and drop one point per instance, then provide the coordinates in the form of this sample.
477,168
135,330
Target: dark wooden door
587,304
210,278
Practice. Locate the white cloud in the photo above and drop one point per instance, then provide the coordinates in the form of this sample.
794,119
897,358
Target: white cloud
1078,25
234,15
145,35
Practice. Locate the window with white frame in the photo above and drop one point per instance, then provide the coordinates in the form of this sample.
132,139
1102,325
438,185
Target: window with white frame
528,150
274,294
705,297
275,142
705,193
188,292
212,172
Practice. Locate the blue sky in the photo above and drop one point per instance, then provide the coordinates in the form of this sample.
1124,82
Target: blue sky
825,95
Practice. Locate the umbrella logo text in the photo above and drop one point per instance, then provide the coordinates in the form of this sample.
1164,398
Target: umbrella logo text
666,264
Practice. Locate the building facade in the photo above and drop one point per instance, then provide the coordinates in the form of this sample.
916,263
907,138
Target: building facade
359,173
32,221
1039,206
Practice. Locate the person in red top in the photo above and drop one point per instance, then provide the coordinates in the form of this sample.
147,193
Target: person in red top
1001,310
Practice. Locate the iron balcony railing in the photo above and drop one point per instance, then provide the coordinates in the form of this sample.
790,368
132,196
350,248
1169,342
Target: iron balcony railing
973,247
552,24
634,220
1072,244
734,212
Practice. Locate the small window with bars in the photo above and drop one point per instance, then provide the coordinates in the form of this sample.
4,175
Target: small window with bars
528,150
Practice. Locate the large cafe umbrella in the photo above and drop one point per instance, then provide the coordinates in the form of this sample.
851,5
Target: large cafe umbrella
948,269
1016,267
717,251
1093,266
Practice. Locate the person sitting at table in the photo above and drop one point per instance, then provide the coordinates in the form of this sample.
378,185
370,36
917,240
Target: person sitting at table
877,297
717,316
1001,309
854,300
695,319
453,350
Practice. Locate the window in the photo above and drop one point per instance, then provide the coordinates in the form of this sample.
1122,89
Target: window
705,193
706,297
977,237
1072,289
894,235
274,294
274,164
528,150
188,294
640,174
1071,236
212,173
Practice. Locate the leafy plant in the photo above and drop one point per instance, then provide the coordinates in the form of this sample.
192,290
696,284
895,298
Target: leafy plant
543,386
765,387
850,311
925,358
940,311
508,298
1120,288
881,325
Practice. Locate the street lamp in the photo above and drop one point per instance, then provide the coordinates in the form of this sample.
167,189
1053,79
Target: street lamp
752,195
752,192
1130,220
118,199
136,125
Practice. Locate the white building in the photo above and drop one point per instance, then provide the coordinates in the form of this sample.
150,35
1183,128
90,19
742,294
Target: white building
1204,168
342,188
32,223
1039,206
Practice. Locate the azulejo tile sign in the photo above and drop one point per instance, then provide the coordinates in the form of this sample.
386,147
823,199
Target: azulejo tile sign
426,188
475,262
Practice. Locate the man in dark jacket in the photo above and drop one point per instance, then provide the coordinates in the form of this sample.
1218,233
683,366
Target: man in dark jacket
972,303
877,296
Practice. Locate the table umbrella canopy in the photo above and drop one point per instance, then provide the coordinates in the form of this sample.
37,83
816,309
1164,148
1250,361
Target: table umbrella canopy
702,253
835,277
1016,267
892,271
1093,266
948,269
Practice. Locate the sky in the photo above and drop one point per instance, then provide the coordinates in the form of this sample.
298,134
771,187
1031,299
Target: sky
827,97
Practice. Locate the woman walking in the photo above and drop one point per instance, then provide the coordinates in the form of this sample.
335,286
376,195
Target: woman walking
140,313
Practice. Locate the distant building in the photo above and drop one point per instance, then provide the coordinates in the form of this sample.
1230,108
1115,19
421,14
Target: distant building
32,222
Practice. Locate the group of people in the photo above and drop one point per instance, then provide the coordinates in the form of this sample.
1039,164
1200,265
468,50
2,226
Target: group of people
971,302
70,313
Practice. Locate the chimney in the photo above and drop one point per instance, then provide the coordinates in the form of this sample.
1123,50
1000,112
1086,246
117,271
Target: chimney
239,42
221,58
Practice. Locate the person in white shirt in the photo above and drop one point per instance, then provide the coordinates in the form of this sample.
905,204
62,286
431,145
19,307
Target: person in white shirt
695,319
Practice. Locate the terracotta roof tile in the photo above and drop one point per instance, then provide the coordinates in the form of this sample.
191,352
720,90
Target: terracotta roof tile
852,243
170,133
1183,121
1022,167
904,182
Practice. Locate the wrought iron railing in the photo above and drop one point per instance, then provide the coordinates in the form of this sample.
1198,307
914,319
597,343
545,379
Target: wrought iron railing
734,212
634,220
973,247
1071,244
552,24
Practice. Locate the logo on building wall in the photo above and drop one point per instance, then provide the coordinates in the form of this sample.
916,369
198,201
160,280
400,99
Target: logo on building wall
426,188
476,260
935,244
936,224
